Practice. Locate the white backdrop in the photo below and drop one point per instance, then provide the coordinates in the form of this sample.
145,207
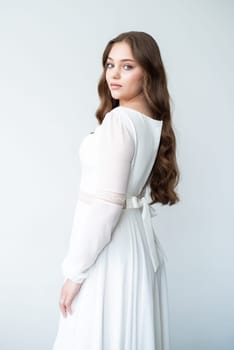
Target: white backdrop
50,62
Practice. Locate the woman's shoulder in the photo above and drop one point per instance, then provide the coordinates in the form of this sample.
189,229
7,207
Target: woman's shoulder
121,112
136,116
137,123
119,117
118,112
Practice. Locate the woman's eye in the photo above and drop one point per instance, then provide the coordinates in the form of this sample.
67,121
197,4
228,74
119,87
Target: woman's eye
109,65
128,67
125,67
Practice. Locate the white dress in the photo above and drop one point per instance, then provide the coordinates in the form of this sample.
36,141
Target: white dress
123,301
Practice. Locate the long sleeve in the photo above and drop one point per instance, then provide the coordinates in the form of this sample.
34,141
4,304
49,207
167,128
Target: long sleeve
115,150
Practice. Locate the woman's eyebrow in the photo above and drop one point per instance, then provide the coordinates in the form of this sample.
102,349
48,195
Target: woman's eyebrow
122,60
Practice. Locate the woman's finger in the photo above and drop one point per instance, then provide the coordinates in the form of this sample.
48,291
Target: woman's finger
68,308
62,307
64,311
68,293
68,303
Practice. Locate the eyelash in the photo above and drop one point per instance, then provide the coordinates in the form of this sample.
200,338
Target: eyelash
125,65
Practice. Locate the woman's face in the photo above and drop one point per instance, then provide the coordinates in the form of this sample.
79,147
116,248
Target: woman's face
124,75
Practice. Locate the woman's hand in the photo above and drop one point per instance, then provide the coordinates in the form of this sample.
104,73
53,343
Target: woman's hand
69,290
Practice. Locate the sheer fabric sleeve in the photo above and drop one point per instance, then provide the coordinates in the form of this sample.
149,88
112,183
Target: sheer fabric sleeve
116,147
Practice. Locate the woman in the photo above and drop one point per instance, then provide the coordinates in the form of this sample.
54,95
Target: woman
114,295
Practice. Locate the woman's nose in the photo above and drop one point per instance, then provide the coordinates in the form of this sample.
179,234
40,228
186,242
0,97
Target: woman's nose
115,72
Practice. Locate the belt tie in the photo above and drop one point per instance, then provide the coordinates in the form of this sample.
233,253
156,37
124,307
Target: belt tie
148,212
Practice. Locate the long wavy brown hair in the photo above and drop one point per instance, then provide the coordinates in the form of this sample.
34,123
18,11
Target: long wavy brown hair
164,175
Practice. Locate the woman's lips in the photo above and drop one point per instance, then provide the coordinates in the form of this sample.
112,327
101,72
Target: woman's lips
115,86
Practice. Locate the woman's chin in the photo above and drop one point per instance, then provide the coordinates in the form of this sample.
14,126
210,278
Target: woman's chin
115,95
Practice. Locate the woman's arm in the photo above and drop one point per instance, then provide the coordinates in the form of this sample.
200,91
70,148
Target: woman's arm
116,147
